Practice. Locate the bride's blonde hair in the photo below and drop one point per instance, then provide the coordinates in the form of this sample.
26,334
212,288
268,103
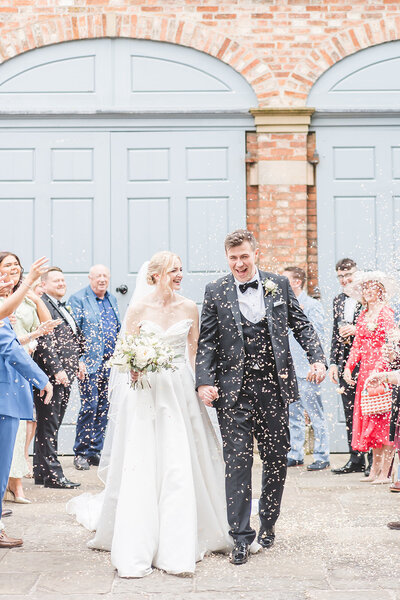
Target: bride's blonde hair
159,265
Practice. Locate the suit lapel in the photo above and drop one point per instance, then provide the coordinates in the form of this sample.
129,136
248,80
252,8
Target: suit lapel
54,305
268,301
114,305
342,301
62,316
94,305
231,295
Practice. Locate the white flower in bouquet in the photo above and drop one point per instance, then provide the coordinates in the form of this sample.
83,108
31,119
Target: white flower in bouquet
143,354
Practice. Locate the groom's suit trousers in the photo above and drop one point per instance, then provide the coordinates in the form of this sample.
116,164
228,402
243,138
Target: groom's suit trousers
259,413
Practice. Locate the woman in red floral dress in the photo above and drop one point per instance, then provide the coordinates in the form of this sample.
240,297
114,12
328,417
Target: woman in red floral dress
371,431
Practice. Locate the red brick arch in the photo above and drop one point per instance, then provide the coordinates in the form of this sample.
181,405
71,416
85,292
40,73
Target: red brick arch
333,49
186,33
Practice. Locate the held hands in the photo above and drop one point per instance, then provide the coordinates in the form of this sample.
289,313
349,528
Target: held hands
47,393
208,393
61,378
347,377
316,373
334,374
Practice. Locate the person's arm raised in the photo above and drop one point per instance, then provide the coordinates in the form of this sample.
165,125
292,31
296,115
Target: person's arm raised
12,302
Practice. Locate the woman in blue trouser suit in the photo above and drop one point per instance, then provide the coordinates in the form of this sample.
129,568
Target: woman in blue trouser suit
17,372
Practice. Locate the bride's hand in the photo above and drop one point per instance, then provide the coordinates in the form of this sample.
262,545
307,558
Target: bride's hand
134,376
208,393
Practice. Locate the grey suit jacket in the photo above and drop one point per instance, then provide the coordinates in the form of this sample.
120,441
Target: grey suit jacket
220,354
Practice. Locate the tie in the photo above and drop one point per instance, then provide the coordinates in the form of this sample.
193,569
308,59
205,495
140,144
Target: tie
63,304
250,284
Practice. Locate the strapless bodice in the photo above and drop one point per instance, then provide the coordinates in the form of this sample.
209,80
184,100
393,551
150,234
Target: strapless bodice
175,336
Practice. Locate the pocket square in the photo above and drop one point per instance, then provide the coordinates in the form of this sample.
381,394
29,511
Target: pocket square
278,303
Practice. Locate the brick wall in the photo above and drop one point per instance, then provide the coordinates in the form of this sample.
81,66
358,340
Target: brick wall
280,46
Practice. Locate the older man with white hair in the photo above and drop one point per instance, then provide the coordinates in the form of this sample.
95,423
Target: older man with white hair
96,312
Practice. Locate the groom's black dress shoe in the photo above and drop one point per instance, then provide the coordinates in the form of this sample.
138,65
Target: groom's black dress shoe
62,483
240,553
349,467
266,537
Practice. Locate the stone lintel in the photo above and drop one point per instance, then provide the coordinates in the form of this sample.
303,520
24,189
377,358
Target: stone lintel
282,120
281,172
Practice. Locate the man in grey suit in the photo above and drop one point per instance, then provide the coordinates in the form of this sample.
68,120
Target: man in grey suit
244,369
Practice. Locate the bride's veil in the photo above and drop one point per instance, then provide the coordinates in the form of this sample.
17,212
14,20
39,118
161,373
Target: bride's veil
119,380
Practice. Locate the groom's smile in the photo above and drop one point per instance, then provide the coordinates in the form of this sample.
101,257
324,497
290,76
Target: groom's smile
242,261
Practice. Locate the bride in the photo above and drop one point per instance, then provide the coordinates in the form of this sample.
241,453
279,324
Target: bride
164,501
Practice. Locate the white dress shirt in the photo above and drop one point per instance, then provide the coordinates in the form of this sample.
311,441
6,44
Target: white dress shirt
349,309
68,317
251,302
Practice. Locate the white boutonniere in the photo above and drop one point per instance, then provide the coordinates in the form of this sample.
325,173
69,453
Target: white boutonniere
270,287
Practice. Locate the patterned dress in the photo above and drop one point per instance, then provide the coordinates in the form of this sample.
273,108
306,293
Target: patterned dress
370,431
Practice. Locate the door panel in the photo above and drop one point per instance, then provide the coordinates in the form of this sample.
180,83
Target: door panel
358,191
177,190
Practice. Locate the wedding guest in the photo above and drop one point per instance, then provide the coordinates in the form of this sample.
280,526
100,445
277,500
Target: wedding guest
310,395
346,311
391,353
59,356
392,377
96,313
26,322
17,372
38,288
376,320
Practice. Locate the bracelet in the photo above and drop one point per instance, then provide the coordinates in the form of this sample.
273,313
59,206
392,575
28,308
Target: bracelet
26,285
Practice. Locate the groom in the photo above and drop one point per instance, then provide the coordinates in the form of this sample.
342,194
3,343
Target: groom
244,369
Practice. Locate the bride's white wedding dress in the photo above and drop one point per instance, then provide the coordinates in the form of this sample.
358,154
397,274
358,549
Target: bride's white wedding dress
164,501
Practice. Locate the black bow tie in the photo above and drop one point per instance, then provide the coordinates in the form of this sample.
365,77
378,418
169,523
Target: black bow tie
64,304
250,284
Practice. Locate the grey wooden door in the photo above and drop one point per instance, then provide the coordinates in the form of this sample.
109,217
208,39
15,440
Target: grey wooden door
176,190
54,201
358,215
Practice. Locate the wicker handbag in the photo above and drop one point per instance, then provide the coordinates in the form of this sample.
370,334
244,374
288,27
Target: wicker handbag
376,400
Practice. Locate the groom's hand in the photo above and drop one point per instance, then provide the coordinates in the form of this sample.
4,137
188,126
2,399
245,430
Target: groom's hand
317,373
207,393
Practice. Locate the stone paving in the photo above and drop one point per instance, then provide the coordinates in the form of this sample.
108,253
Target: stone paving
332,544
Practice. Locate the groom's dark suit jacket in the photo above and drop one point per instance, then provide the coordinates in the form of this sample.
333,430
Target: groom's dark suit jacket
220,356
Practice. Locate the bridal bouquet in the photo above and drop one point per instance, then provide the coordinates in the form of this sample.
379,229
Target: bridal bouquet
144,353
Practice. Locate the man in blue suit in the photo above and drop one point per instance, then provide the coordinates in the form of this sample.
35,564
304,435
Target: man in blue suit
96,313
17,372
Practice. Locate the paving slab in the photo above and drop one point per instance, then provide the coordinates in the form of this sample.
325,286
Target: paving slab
17,583
332,544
